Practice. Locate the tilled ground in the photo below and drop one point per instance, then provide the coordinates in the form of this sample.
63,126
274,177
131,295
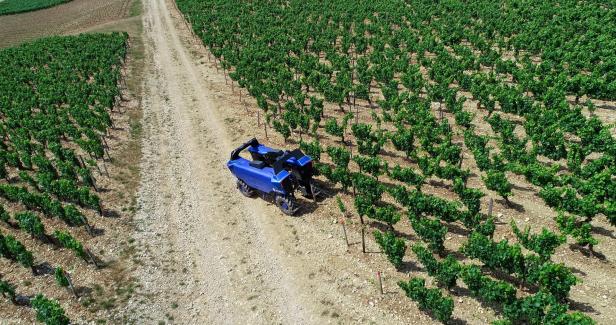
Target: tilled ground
76,15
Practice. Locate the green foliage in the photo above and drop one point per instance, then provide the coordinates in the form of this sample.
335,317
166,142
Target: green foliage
60,94
446,272
575,157
554,278
420,204
282,128
14,250
498,256
49,311
544,243
487,227
542,308
279,55
341,205
566,199
368,187
403,140
541,175
4,215
497,181
406,175
333,128
7,290
477,145
469,196
60,277
392,246
386,213
363,205
581,232
429,300
312,149
371,165
31,223
368,141
485,288
430,231
68,241
340,156
9,7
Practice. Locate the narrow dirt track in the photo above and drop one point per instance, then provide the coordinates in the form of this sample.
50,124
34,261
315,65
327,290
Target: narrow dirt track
189,198
210,255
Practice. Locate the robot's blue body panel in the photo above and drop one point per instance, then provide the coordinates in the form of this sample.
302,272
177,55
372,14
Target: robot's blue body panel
262,179
301,162
262,150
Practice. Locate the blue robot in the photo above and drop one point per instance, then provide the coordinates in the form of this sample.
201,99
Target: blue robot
274,174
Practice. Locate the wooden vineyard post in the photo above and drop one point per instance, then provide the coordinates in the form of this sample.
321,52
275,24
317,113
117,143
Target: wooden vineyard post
356,111
81,162
346,239
88,227
314,197
94,183
265,127
378,277
106,145
70,284
349,146
105,168
84,165
106,150
490,206
363,239
258,118
92,259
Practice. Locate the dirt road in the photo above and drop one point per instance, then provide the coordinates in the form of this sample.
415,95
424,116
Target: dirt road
210,255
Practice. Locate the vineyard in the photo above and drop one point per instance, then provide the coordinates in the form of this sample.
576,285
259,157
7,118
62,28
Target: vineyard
56,103
426,117
8,7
